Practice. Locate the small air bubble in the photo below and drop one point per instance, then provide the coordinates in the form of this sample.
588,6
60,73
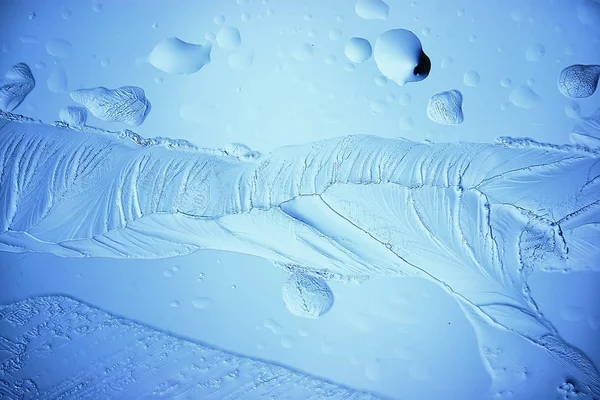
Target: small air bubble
219,19
174,304
32,15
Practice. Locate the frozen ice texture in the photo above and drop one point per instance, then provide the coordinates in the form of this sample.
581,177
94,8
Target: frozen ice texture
126,104
372,9
15,86
587,131
400,57
74,116
307,296
579,81
174,56
476,219
134,361
446,108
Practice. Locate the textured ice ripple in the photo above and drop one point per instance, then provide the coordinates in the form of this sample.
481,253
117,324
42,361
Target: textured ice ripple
476,219
130,360
17,84
126,104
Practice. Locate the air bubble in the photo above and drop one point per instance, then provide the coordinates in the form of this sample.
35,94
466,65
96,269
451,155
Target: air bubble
579,81
174,304
229,38
66,14
335,34
219,19
358,50
471,78
245,17
505,82
523,97
174,56
97,7
405,123
307,296
202,302
372,9
446,108
399,56
405,99
535,52
426,31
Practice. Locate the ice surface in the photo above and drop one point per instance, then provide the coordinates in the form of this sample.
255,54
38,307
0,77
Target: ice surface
74,116
42,341
446,108
587,130
126,104
400,57
372,9
477,219
174,56
579,81
17,84
307,296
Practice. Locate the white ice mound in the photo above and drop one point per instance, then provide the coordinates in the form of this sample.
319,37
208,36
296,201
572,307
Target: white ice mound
133,360
74,116
307,296
174,56
400,57
15,86
474,218
126,104
446,108
579,81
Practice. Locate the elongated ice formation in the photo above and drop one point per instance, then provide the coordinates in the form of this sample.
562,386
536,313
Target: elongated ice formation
579,81
74,116
140,362
17,84
476,219
307,296
174,56
126,104
446,108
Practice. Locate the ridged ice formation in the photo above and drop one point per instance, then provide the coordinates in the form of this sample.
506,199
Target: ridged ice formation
132,361
446,108
307,296
126,104
579,81
74,116
17,84
476,219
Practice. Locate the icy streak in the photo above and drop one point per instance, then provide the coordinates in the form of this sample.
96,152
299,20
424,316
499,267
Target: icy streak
474,218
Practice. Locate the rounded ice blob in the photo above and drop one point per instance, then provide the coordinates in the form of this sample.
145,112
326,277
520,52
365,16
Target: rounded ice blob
535,52
446,108
74,116
229,38
579,81
57,80
307,296
372,9
400,57
59,48
126,104
523,97
174,56
471,78
358,50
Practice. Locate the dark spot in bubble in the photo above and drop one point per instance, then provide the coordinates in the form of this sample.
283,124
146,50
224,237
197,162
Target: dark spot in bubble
424,66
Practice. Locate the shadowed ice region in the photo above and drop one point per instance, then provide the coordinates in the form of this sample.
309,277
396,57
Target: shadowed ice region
133,360
476,219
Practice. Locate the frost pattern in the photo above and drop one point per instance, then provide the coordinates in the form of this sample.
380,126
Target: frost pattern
17,84
579,81
307,296
446,108
74,116
476,219
126,104
134,361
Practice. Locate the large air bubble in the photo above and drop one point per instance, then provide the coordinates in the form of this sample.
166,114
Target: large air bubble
307,296
400,57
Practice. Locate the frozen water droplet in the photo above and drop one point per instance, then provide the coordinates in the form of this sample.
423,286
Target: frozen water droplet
40,65
358,50
174,304
105,62
504,106
460,12
211,37
174,56
269,12
472,38
447,62
201,276
505,82
535,52
372,9
588,13
303,332
202,302
523,97
579,81
273,326
446,108
15,86
303,52
233,287
97,7
74,116
327,348
381,81
405,123
399,56
158,80
307,296
287,341
530,81
219,19
126,104
59,48
229,38
471,78
175,268
66,14
168,273
330,59
572,110
29,39
426,31
377,106
405,99
241,60
335,34
308,17
31,16
154,25
349,67
245,17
